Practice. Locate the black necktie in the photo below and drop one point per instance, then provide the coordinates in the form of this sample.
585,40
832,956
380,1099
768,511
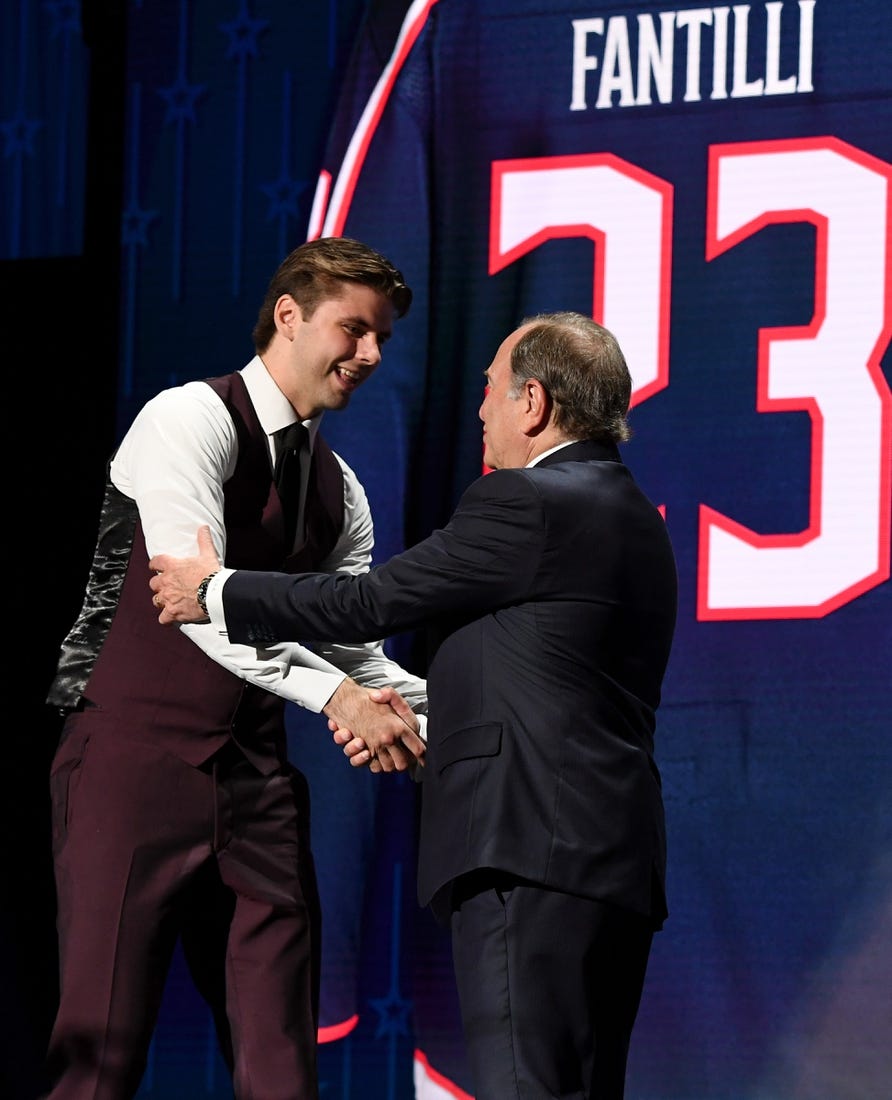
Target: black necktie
289,444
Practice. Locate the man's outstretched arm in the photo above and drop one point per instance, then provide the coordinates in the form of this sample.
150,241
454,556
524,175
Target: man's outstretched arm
485,558
390,732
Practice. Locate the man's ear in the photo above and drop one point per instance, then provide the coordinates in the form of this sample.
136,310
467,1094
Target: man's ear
287,316
538,405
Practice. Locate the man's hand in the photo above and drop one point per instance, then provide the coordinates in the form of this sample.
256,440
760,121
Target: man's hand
175,581
379,724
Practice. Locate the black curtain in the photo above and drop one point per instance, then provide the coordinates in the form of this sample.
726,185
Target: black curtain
61,314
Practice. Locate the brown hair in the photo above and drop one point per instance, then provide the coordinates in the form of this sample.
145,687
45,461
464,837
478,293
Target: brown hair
314,272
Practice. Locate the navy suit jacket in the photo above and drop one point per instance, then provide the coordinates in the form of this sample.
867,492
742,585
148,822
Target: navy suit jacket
553,590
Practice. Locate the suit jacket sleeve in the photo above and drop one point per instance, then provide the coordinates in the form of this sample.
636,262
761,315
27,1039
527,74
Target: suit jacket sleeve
484,558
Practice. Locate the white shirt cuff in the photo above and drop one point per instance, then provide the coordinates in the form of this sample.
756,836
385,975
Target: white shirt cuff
214,598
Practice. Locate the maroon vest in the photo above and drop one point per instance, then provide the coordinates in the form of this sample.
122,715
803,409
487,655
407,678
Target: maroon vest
150,682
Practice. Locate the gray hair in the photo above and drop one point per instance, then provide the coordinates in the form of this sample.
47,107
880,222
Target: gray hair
580,365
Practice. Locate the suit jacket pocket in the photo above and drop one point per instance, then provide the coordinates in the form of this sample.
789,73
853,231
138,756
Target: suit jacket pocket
468,743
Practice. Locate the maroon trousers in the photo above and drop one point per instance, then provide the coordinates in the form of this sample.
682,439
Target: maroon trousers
148,849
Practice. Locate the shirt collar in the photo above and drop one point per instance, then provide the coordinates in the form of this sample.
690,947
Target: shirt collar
274,410
550,451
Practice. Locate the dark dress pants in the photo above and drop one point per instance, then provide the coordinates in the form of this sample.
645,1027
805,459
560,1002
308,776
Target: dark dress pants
549,986
149,848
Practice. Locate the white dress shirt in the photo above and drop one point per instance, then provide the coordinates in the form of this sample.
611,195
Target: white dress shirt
174,461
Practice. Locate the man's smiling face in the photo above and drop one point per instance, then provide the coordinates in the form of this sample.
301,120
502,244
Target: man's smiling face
336,349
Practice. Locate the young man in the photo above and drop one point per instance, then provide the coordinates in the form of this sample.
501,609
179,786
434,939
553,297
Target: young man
554,591
176,812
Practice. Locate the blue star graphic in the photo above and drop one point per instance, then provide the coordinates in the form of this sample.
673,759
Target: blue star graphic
135,223
19,133
180,97
393,1014
243,32
283,196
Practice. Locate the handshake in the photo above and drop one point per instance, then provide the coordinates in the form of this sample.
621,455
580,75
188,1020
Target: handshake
392,740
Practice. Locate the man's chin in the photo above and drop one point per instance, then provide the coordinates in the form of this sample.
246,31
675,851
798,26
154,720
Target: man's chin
339,400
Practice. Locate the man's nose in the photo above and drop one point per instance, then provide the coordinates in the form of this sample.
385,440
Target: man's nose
368,349
480,412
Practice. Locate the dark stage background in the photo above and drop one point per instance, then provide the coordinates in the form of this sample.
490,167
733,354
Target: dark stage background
713,184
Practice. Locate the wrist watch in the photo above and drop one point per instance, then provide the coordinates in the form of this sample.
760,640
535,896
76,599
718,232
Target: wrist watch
202,592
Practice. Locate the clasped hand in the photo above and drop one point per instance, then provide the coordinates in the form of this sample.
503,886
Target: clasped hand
175,581
376,727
